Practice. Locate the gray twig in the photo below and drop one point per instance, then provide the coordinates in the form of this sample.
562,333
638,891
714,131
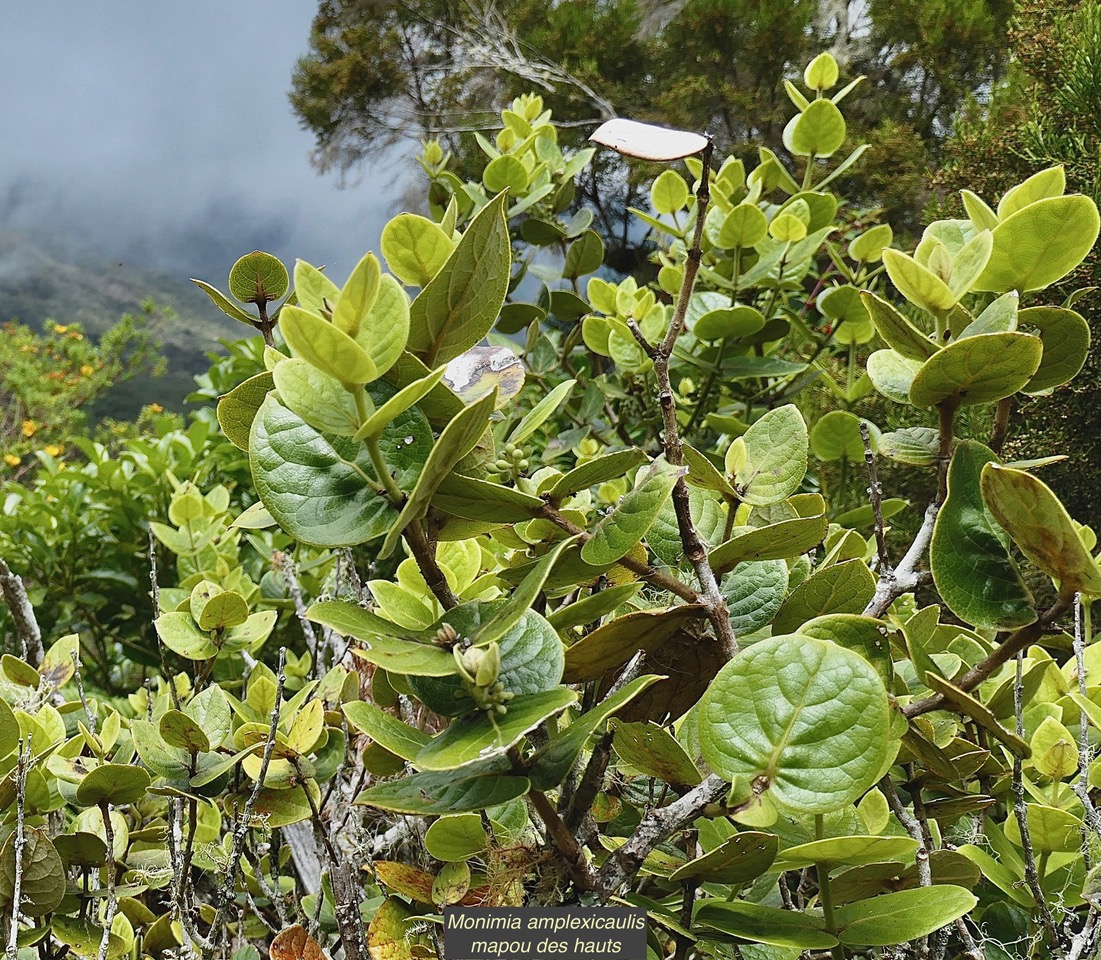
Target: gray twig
80,693
875,492
26,625
294,588
22,765
905,577
112,899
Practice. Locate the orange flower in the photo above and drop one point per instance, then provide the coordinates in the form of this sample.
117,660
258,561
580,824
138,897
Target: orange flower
87,369
155,408
29,428
73,335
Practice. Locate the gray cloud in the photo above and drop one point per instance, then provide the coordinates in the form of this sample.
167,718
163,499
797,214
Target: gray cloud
160,134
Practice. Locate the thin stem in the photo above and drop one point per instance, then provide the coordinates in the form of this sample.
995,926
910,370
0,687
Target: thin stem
389,484
876,494
112,900
825,897
22,765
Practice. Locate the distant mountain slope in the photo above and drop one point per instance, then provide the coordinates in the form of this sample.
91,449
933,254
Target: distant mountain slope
45,276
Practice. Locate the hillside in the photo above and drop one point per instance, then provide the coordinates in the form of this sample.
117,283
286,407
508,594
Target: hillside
47,276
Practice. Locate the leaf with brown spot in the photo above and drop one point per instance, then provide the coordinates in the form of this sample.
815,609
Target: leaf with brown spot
293,943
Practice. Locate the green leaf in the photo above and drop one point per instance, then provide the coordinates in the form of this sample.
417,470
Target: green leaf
805,715
836,436
1066,339
1040,186
472,499
654,752
541,412
386,646
220,610
905,915
438,793
42,886
845,587
238,408
281,808
258,277
898,332
415,248
892,374
760,924
461,302
459,437
775,457
999,317
585,255
401,401
385,331
816,132
864,516
326,347
315,291
83,938
484,736
179,730
552,763
636,511
320,400
609,466
172,763
223,303
386,730
738,860
917,283
588,609
776,541
457,838
848,852
862,635
918,446
669,192
210,709
614,643
522,599
358,296
180,633
736,322
1040,244
322,489
113,783
969,262
532,659
744,226
1039,524
979,369
9,731
753,593
868,247
972,569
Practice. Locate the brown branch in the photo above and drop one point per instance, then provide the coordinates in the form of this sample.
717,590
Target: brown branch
564,841
875,492
424,553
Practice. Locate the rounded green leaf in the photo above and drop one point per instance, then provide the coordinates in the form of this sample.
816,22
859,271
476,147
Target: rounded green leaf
320,400
384,332
972,569
862,635
739,321
237,409
917,446
817,132
753,593
584,256
358,295
906,915
892,374
319,487
505,173
1040,244
322,345
258,277
744,857
848,314
775,459
821,73
1039,524
1047,183
868,247
437,793
180,633
1066,339
42,885
532,659
845,587
799,717
744,226
669,192
113,783
460,837
836,436
415,248
978,369
1049,828
179,730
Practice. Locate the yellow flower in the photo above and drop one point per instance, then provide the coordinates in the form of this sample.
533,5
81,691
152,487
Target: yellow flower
155,408
73,335
54,449
29,428
60,328
12,460
87,370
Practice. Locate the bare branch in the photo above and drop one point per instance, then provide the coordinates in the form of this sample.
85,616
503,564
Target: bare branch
26,625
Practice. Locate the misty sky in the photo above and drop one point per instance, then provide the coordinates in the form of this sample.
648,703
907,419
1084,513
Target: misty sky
160,133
